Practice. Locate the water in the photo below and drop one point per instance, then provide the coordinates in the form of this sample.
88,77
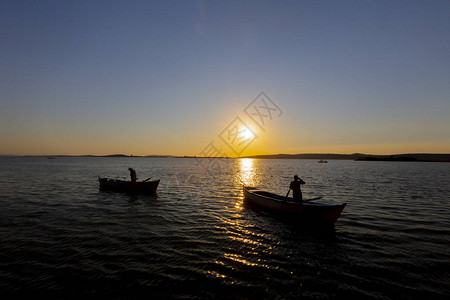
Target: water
61,237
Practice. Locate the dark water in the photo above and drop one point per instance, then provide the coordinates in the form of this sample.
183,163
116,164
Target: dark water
63,238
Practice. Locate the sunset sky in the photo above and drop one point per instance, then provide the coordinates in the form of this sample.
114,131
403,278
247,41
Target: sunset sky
169,77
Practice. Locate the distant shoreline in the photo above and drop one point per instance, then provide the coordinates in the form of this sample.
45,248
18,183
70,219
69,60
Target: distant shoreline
89,155
419,157
408,157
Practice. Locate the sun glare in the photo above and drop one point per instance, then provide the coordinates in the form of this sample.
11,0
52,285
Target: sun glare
246,133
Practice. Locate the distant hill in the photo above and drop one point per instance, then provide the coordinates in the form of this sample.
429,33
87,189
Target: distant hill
361,157
92,155
408,157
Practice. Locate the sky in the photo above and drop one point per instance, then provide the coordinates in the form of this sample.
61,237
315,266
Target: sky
180,77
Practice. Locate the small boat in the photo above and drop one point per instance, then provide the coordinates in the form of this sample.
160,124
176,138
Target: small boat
306,211
322,161
128,186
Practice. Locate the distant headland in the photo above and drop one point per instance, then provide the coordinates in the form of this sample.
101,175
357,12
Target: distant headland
88,155
362,157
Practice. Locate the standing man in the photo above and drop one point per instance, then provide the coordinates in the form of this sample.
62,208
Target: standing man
132,175
295,186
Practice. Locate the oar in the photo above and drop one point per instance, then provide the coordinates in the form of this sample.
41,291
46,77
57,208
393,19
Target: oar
313,199
147,179
287,195
285,199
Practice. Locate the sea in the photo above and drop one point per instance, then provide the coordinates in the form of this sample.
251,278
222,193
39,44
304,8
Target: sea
196,238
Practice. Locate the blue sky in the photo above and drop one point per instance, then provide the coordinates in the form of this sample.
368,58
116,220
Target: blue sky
165,77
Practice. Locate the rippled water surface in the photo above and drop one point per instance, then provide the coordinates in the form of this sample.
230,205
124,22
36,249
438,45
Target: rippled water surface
62,237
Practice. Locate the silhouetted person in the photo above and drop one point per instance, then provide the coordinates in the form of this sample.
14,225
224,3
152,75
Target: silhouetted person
132,175
295,186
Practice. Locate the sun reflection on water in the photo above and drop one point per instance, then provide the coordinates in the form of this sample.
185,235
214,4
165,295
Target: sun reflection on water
246,246
241,260
247,171
239,205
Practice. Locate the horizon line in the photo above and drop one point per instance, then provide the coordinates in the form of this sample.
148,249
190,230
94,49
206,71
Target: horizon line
197,156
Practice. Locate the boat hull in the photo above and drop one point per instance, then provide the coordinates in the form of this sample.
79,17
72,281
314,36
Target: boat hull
323,213
128,186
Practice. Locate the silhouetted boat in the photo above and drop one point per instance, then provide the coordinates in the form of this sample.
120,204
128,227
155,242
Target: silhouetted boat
307,211
128,186
322,161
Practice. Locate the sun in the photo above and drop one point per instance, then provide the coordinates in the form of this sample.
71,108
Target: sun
246,133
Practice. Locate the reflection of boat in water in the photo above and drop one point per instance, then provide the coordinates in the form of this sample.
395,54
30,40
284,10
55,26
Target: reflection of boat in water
322,161
128,186
307,211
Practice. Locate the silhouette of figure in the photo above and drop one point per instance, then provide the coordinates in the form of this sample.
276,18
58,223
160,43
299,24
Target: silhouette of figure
297,192
132,175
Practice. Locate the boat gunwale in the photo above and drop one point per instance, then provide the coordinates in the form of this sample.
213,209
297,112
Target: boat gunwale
118,181
248,190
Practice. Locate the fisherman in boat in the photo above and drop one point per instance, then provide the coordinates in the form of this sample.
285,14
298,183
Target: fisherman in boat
295,186
132,175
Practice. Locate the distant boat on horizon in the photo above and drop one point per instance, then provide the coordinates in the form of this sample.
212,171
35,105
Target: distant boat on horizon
322,161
